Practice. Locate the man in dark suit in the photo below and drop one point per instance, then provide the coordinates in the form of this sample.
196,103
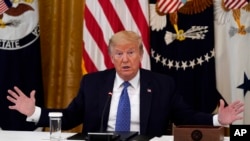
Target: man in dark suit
154,98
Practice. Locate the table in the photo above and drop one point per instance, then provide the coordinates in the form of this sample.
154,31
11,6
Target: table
28,136
44,136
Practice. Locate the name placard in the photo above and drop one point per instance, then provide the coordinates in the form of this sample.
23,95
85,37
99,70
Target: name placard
198,133
239,132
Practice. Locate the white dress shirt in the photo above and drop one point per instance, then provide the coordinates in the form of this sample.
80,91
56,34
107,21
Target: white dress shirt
134,97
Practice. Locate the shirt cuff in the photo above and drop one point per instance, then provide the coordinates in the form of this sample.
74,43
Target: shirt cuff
35,116
216,121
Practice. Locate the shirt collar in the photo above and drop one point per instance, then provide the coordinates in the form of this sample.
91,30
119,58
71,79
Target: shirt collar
134,82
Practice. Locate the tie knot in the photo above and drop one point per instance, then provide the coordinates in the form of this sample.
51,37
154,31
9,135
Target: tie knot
125,84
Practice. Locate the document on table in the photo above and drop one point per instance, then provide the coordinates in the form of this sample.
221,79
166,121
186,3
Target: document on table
171,138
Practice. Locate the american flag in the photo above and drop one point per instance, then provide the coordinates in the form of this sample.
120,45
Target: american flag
103,18
3,7
235,4
169,6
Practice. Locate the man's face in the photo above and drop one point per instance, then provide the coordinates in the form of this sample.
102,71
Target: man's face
126,59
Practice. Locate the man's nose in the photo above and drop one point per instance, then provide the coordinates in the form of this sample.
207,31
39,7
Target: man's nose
125,57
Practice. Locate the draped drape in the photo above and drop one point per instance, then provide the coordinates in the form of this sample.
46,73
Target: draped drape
61,24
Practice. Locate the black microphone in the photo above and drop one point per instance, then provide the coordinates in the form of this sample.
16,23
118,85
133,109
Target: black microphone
103,135
104,110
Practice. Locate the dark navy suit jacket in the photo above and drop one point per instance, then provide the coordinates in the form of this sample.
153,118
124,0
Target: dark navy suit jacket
159,104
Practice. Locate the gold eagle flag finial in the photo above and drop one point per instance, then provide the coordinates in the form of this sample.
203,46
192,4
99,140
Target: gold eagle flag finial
7,7
188,7
236,6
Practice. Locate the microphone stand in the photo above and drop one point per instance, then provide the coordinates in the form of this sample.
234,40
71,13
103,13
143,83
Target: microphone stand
104,110
102,135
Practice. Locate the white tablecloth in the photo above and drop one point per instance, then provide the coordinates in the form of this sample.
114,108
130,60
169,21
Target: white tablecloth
28,136
44,136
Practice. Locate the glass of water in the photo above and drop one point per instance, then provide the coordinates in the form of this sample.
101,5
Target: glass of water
55,126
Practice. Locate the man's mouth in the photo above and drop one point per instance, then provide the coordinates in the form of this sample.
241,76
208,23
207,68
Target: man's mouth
125,67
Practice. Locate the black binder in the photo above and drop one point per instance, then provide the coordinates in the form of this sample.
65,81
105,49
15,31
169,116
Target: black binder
104,136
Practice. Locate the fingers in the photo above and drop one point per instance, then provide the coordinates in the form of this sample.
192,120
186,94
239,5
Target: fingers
12,107
235,103
20,93
16,93
11,99
237,107
238,118
13,94
239,110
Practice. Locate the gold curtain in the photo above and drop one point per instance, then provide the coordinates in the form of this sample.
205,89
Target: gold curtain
61,24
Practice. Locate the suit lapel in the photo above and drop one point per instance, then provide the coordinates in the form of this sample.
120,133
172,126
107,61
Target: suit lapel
145,100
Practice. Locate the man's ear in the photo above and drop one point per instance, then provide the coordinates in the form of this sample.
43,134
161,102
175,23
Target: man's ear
112,58
141,57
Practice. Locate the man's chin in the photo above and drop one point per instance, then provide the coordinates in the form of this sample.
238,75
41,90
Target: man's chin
126,71
126,74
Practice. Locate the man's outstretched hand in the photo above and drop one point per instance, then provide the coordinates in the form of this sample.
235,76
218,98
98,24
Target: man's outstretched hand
227,115
22,103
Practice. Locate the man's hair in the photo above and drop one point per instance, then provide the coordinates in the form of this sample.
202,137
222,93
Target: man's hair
123,37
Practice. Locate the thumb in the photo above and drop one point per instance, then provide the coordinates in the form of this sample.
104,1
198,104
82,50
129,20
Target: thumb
32,94
222,104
